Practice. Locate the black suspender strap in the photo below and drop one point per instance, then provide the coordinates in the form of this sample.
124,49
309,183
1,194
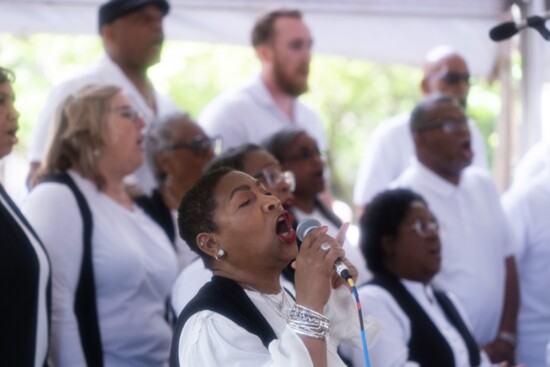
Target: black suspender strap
85,305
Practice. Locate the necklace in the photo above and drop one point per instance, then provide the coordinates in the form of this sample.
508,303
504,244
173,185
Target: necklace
280,305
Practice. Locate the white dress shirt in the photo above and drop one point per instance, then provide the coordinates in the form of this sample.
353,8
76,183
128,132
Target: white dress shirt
210,339
475,237
134,269
249,114
532,164
391,350
528,208
390,150
103,72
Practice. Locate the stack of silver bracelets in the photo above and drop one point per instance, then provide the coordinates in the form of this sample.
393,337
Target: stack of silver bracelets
308,322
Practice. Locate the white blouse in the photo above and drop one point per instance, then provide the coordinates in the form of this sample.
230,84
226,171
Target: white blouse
210,339
134,268
392,348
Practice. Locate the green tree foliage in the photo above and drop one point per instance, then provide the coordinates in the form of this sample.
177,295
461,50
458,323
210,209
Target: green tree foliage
352,96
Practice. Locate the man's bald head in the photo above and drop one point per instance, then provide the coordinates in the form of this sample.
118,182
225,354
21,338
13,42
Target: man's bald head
446,72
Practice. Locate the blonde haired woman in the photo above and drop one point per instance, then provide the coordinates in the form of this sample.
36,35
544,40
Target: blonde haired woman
113,266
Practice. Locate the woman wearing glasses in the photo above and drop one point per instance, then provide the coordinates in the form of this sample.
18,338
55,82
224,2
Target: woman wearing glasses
298,152
113,266
423,326
177,150
260,164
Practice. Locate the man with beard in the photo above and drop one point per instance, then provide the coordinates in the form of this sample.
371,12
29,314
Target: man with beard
132,35
389,149
269,103
477,241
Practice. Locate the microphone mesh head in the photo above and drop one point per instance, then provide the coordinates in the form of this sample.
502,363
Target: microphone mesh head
306,226
503,31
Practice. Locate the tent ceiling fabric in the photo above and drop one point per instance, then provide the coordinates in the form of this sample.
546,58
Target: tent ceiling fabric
386,31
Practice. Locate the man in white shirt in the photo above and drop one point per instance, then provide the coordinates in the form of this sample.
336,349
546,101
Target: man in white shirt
269,103
477,242
527,207
132,34
389,149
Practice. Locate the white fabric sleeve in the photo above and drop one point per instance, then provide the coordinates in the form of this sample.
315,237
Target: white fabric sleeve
379,166
210,339
53,212
43,126
518,217
391,348
344,321
224,121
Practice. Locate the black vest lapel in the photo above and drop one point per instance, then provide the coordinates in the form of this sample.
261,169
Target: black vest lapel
454,317
427,346
227,298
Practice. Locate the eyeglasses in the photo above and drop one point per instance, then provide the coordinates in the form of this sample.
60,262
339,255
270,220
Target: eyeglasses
306,154
273,176
127,112
200,145
453,78
448,126
424,229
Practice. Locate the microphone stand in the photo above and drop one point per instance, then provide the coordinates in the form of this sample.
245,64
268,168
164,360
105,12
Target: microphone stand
539,23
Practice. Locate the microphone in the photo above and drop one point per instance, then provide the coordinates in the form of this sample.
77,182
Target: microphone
308,225
508,29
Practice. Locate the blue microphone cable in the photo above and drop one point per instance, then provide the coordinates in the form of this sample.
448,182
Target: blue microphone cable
360,313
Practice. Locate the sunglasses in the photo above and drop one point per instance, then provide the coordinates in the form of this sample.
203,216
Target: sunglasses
453,78
200,145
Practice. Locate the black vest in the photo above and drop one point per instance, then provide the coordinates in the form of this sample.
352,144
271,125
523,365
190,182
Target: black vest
427,346
19,277
227,298
85,304
155,207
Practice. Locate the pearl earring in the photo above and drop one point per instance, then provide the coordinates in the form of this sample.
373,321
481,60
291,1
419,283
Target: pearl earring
219,253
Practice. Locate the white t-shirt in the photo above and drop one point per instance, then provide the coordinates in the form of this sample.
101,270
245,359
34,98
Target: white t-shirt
476,239
134,269
528,210
210,339
392,347
105,71
390,150
532,164
249,115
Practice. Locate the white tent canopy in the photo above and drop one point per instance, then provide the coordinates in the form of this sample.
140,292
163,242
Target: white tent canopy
386,31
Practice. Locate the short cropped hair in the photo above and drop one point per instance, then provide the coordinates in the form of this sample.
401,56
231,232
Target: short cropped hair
196,210
423,109
382,217
263,30
161,138
233,157
278,143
